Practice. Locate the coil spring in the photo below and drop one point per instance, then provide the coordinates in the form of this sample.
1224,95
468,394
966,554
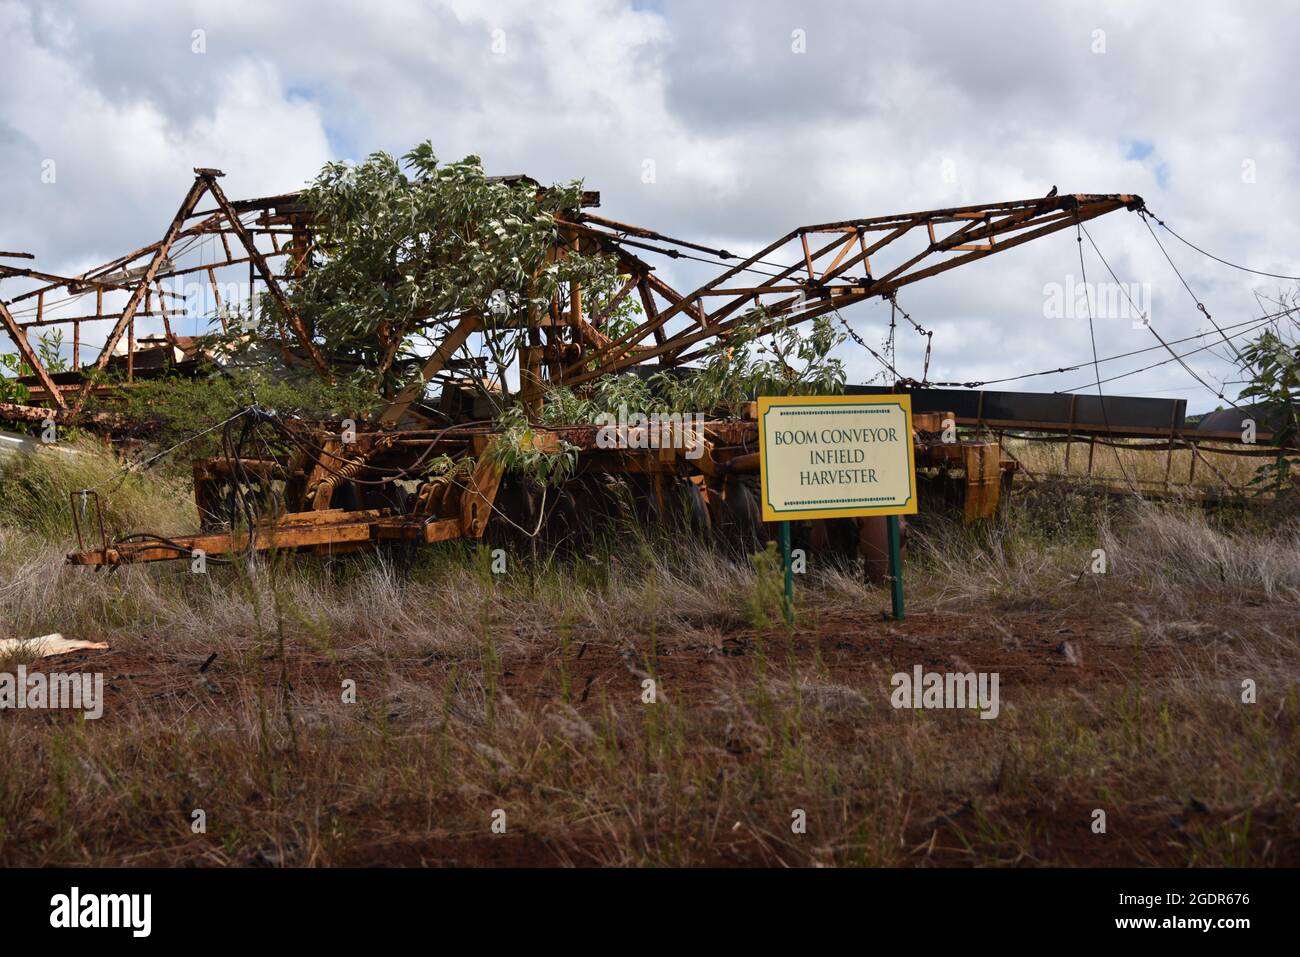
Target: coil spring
343,473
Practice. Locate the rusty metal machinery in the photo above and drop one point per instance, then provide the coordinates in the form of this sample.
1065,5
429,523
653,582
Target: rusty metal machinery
334,497
321,493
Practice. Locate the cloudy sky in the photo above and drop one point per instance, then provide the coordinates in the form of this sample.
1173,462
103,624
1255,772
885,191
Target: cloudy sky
757,117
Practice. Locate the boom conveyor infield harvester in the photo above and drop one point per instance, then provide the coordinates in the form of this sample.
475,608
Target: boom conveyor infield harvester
331,489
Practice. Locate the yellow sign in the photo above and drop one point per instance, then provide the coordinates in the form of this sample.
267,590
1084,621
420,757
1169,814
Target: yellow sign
836,456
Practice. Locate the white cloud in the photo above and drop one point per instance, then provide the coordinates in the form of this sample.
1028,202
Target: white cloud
122,161
749,138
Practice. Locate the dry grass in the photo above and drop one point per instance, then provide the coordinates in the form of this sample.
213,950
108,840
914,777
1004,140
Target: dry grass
524,692
34,492
1046,542
1137,463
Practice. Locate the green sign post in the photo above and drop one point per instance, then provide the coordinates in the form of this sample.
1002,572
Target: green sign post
789,573
895,567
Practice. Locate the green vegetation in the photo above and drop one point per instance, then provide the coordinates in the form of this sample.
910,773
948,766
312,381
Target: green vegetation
35,507
1275,384
513,677
731,372
523,691
49,349
173,409
407,247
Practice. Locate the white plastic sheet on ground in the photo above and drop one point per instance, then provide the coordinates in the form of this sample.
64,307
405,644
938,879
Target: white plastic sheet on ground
48,645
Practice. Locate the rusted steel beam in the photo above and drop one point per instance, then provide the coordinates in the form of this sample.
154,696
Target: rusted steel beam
16,412
982,461
651,310
94,316
843,251
645,233
29,356
478,500
110,421
1127,431
343,528
882,287
574,373
690,307
40,394
55,281
737,303
961,213
272,284
417,530
1152,444
461,332
616,357
681,341
197,189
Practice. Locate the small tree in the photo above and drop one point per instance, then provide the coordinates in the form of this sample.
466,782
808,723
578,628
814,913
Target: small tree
49,348
1274,366
404,249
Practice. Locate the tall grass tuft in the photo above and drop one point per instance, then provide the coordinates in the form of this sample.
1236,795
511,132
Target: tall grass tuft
34,490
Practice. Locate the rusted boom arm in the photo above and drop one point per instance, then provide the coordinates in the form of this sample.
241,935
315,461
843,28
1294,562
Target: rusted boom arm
825,284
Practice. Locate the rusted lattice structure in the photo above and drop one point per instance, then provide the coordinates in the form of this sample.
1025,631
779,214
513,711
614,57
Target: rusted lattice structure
335,489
